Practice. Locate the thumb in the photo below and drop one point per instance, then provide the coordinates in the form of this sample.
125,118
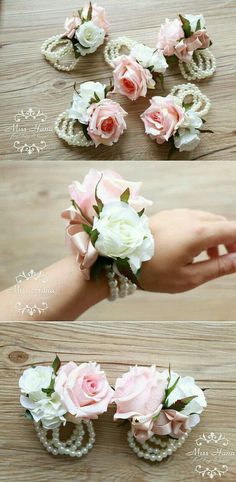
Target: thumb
204,271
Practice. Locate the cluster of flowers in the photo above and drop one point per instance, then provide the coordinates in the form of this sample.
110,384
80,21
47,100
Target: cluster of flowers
182,36
87,30
101,119
136,72
161,403
107,224
168,119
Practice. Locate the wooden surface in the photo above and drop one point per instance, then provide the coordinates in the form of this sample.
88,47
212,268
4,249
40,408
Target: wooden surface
27,80
204,351
33,195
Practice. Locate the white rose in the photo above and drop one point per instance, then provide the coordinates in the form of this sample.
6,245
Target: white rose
88,89
49,410
186,387
34,379
193,20
79,109
149,57
187,140
124,234
90,37
191,120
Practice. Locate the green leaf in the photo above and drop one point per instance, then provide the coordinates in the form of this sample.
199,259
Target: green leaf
169,390
171,59
98,200
206,131
50,390
76,51
87,228
85,131
94,236
99,266
125,196
198,26
109,88
172,149
140,213
96,209
90,11
187,106
76,206
180,404
151,67
186,26
96,97
56,364
124,268
28,415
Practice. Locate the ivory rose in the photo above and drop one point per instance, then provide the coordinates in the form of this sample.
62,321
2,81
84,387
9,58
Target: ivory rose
124,234
169,34
162,118
34,379
71,25
149,57
84,389
130,78
49,410
106,122
140,391
99,18
90,37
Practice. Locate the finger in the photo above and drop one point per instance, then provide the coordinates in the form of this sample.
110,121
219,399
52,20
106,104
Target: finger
213,234
213,252
206,216
205,271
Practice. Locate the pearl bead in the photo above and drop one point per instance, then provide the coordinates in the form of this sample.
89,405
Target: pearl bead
202,66
114,49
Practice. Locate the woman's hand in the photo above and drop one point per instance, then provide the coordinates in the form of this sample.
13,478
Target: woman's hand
180,236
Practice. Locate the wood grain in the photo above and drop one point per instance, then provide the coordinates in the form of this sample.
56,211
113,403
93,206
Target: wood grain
27,80
33,195
205,351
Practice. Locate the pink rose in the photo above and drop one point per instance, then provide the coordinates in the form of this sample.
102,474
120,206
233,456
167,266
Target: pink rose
99,18
139,392
106,123
110,187
203,37
185,48
71,25
130,78
83,389
162,118
169,34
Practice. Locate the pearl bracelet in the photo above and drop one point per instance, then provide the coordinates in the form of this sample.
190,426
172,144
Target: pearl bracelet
120,286
114,48
200,102
56,49
156,449
73,445
67,129
202,66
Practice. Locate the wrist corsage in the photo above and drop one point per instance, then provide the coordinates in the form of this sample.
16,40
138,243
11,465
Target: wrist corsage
136,72
56,396
162,408
108,230
100,120
177,118
84,32
187,40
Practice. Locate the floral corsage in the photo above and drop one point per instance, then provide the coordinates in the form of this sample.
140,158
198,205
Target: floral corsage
108,229
55,395
162,408
187,40
177,118
100,119
84,32
136,72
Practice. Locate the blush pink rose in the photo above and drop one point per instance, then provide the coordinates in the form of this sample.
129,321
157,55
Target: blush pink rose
162,118
185,48
203,37
169,34
139,392
71,25
110,188
99,18
130,78
83,389
106,122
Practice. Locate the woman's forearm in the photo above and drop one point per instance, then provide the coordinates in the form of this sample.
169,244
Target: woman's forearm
60,293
